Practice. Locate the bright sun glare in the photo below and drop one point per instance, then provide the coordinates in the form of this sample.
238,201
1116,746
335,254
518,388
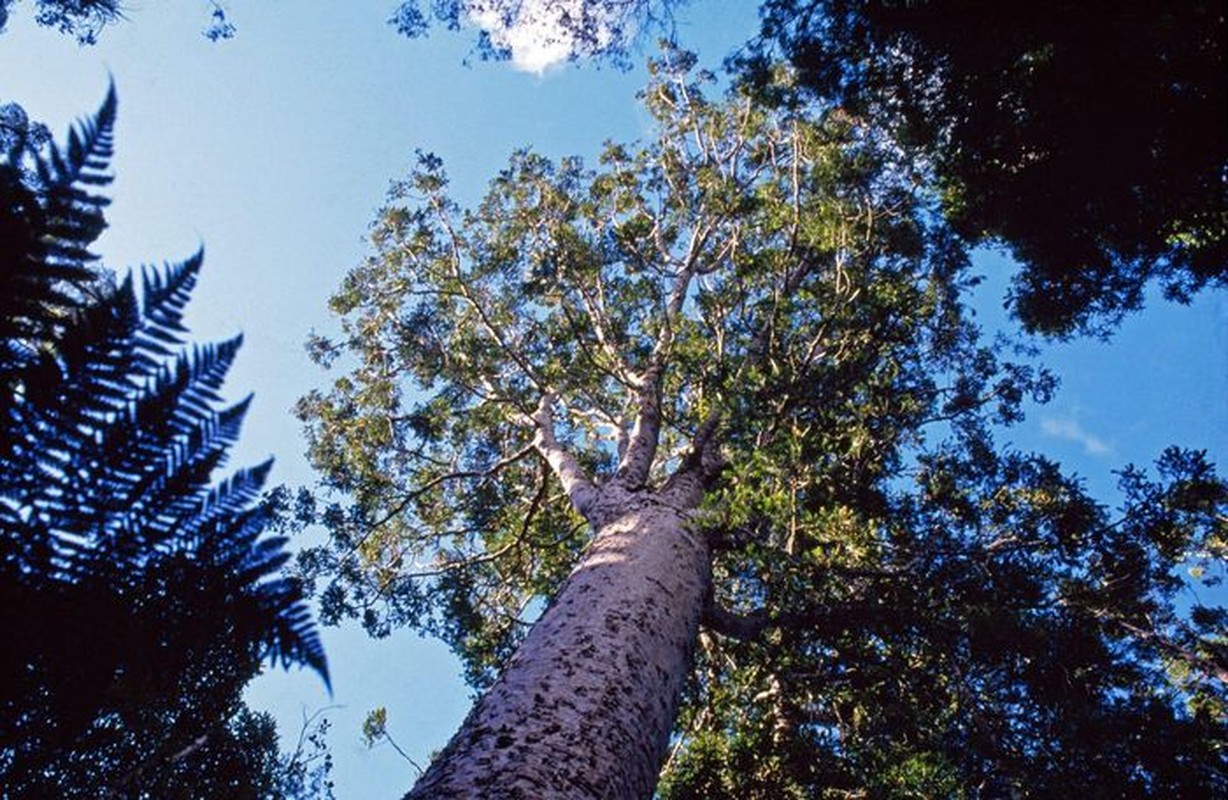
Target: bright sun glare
537,34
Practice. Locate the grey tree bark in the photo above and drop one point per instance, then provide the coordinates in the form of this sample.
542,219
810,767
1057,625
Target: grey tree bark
586,706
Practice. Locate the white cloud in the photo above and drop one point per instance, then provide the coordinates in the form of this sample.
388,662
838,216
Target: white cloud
538,35
1072,431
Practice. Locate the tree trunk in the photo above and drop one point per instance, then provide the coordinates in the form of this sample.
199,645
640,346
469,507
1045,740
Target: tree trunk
586,705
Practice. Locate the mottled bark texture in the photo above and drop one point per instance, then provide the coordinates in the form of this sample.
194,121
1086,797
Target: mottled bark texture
585,707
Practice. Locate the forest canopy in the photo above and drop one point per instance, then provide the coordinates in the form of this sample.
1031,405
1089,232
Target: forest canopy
1089,139
693,452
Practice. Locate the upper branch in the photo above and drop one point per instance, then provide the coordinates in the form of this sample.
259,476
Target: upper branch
579,487
636,463
465,292
752,625
700,466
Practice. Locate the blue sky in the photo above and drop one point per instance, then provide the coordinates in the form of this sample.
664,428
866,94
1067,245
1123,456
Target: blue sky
273,150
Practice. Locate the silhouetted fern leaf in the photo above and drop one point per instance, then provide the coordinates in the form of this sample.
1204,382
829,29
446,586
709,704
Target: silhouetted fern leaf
166,294
74,214
48,222
112,530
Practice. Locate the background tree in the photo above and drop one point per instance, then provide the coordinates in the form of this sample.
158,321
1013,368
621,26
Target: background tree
720,398
1089,137
137,597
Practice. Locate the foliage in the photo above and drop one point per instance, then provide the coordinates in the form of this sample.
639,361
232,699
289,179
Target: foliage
375,731
137,597
592,29
83,19
899,608
1003,637
1088,137
86,19
605,30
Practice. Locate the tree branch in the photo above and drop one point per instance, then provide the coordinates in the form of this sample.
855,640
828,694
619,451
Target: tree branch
579,487
438,480
465,292
636,462
751,626
594,309
704,455
743,627
1213,665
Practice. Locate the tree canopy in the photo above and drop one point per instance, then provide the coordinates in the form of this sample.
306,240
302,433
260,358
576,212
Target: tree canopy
1090,138
86,19
761,297
137,596
763,304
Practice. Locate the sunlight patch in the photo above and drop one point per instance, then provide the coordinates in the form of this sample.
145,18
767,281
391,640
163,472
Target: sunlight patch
546,33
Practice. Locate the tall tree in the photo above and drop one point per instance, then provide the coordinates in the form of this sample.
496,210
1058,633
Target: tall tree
695,449
137,596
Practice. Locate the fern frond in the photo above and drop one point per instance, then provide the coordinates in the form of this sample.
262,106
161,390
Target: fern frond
240,491
111,434
91,144
74,218
165,297
203,372
292,637
49,221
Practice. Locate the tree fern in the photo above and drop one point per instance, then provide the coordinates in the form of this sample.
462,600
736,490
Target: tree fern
123,567
52,215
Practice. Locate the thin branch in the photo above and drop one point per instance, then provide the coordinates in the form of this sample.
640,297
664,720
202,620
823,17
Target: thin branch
743,627
1209,665
494,469
594,310
466,293
306,726
617,370
386,736
431,484
752,625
